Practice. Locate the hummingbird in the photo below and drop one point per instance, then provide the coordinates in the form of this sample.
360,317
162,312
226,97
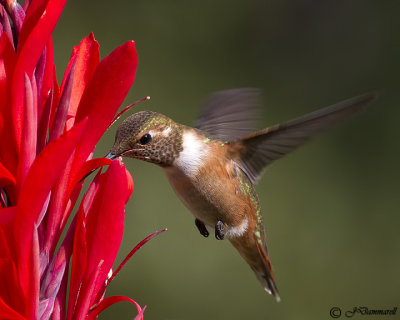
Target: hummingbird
214,165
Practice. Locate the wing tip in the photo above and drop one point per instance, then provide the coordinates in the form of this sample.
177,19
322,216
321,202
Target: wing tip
363,100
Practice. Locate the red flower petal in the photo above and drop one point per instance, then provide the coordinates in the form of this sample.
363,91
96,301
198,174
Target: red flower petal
17,15
5,23
87,291
128,107
61,194
109,301
33,195
34,278
73,197
38,31
104,94
44,123
79,261
29,131
55,213
29,52
32,16
8,152
51,281
9,285
7,247
133,251
140,314
105,220
78,267
6,178
62,110
56,99
89,166
44,76
6,312
87,57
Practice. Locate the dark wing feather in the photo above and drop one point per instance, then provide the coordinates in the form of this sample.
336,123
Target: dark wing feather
264,147
230,114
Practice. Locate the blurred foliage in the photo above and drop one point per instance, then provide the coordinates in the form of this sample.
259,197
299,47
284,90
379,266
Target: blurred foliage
331,209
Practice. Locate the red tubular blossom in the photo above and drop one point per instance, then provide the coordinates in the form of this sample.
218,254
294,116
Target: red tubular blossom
47,138
33,195
86,57
104,94
28,54
100,235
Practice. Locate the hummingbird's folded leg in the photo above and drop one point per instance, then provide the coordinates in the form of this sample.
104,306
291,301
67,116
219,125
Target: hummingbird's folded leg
219,230
202,228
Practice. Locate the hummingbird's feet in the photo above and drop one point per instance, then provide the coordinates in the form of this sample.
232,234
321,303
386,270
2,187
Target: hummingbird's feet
219,230
202,228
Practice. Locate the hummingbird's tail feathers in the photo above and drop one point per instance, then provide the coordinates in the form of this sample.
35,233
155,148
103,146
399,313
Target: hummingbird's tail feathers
260,149
269,285
266,277
253,250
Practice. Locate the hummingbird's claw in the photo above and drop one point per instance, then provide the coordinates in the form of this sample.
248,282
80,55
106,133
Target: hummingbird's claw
219,230
202,228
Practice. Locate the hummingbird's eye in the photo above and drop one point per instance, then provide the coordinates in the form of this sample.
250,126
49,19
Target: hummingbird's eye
145,139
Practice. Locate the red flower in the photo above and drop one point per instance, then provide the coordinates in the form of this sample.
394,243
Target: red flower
47,138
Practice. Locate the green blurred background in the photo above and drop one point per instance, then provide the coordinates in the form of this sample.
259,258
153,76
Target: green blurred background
331,209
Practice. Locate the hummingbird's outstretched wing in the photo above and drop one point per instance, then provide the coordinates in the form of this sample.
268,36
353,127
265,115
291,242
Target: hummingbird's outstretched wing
260,149
230,114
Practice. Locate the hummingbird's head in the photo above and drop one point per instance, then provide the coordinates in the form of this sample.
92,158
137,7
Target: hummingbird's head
148,136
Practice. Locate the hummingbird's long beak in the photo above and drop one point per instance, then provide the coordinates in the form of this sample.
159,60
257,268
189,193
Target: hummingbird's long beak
110,156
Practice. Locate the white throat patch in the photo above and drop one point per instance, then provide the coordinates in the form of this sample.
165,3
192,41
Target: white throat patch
194,152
